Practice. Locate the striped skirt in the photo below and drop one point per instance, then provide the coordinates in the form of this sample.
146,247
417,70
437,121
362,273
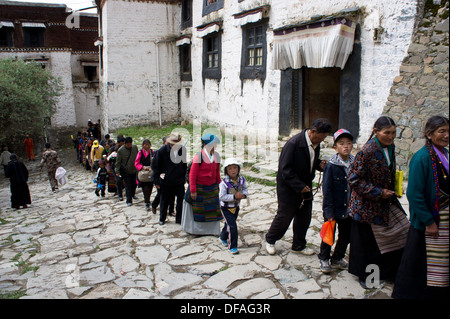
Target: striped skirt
206,207
392,237
438,253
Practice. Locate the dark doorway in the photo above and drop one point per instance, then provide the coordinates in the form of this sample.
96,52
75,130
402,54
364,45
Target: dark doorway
307,94
321,95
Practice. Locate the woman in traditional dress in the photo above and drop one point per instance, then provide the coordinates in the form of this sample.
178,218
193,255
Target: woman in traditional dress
204,215
379,224
18,176
424,270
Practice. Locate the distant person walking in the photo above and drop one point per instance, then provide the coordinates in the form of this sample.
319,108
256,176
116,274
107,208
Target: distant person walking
5,158
18,176
29,147
126,156
51,160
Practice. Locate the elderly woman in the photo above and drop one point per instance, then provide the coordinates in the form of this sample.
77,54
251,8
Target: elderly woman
203,218
379,224
424,270
18,176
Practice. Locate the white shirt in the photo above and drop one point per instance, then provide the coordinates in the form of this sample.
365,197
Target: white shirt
312,149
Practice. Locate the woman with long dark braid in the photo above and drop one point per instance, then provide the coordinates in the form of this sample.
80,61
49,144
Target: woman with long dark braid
424,270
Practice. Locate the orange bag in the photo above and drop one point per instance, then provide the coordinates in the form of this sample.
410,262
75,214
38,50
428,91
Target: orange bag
327,232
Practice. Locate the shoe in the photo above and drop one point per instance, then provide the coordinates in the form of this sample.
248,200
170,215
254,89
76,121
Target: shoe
161,223
270,249
129,204
135,198
153,210
120,198
304,251
97,194
339,264
224,242
325,266
172,214
147,207
234,251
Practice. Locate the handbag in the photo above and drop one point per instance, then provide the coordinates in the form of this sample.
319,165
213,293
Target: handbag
144,176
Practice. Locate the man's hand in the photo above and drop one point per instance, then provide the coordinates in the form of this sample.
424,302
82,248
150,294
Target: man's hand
306,189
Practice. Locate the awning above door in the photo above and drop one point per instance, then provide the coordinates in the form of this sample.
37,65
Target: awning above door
316,45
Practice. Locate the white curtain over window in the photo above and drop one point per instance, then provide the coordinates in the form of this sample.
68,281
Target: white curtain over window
316,45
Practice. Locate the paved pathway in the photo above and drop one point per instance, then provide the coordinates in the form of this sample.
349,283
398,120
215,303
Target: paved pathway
73,244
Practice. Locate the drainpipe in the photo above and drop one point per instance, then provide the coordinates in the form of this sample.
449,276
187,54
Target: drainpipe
158,76
159,82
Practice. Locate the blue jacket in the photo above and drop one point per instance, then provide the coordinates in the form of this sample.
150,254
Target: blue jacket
335,188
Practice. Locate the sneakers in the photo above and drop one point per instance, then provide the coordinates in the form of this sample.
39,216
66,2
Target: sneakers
234,251
325,266
270,249
339,264
224,242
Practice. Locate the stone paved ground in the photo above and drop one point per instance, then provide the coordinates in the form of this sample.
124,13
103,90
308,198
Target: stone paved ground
73,244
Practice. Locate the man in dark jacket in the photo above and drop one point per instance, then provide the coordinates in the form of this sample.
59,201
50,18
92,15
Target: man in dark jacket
125,169
298,162
169,171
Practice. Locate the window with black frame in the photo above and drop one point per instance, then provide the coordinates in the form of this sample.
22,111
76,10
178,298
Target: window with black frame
254,51
185,62
186,14
6,36
211,6
212,56
34,37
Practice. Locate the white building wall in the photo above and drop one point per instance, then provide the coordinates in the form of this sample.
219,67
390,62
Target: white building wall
59,65
257,106
131,31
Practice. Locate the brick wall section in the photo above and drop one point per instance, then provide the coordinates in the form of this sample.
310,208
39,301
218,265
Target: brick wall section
56,35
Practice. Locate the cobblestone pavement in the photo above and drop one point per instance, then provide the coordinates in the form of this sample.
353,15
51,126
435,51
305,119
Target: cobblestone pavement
73,244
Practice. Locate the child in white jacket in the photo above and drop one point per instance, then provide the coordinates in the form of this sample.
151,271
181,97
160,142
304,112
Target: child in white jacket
232,190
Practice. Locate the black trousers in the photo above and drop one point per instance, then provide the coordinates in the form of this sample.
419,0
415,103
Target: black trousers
168,194
344,227
302,219
130,186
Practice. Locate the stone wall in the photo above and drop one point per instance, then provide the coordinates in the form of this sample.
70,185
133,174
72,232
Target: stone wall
421,90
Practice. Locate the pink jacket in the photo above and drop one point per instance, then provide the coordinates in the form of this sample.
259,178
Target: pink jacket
206,173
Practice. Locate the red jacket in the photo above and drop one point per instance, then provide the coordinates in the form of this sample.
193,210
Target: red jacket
206,173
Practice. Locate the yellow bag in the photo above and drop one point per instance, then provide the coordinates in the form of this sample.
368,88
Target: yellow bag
399,183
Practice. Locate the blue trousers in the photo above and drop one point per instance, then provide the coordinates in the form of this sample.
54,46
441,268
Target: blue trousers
230,230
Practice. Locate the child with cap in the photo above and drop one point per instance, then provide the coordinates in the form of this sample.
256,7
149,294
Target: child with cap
232,189
336,195
102,175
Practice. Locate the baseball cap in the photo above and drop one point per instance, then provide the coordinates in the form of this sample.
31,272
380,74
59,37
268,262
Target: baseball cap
341,133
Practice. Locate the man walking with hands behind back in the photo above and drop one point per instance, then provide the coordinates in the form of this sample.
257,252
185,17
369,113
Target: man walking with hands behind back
298,162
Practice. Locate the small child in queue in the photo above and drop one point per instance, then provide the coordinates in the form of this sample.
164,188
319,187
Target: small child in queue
232,190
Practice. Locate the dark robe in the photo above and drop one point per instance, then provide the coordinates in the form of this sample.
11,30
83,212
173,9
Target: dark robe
18,175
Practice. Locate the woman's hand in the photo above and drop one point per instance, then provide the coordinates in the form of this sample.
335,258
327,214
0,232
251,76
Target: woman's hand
194,195
386,193
432,230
